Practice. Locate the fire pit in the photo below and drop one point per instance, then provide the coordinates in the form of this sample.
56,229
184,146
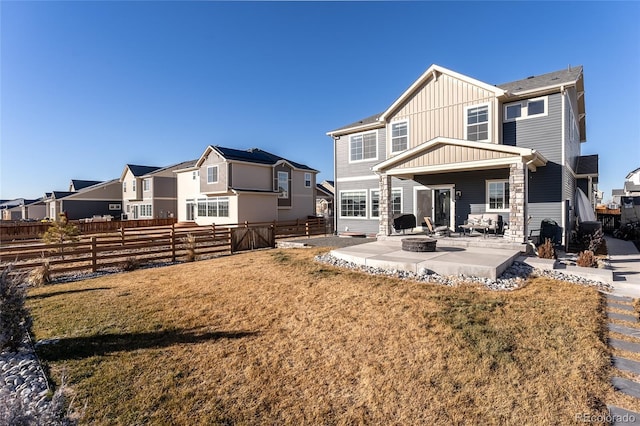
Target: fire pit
419,244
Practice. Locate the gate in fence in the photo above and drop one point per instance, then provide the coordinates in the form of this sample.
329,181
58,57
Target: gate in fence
252,238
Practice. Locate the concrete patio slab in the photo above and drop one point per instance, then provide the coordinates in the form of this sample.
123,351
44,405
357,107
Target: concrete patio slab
626,386
626,331
620,416
620,306
616,298
622,317
625,364
446,260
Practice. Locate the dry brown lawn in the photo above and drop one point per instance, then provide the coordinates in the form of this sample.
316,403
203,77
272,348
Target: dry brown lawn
272,337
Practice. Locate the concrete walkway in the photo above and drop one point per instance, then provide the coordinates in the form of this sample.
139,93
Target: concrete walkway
625,262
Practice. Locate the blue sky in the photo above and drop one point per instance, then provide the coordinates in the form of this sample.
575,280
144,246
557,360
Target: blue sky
87,87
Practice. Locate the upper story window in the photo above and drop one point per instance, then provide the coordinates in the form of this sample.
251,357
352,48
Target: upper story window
133,185
307,180
193,176
399,136
212,174
146,184
283,185
525,109
124,186
477,123
363,147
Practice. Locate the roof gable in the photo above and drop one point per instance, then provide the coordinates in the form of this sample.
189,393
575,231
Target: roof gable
78,184
253,155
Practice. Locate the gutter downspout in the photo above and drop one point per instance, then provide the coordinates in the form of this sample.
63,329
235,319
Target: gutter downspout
335,185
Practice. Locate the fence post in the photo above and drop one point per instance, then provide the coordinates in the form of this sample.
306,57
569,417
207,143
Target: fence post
246,224
213,230
173,244
306,229
122,235
94,255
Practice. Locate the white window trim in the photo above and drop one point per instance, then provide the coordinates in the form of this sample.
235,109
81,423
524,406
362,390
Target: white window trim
364,160
115,207
133,185
367,203
146,185
370,201
391,137
524,111
217,176
489,124
305,180
124,186
487,204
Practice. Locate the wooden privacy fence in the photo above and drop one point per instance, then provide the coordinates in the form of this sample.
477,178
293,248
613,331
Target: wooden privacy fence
154,244
31,230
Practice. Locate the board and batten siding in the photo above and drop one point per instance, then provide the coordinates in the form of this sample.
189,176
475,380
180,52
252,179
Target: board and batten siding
438,109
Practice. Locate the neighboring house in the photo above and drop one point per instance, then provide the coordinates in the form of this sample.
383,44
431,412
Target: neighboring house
228,186
631,187
324,199
23,209
98,199
150,192
451,146
78,184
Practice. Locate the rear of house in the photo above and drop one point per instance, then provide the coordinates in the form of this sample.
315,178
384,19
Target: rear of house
451,146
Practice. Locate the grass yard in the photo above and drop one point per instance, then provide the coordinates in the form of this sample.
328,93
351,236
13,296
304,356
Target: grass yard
272,337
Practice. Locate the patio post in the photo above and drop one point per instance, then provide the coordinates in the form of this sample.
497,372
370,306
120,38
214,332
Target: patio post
518,202
384,206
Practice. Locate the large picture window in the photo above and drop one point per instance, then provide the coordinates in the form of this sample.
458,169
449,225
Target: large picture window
497,195
353,204
396,202
477,128
399,136
213,207
363,147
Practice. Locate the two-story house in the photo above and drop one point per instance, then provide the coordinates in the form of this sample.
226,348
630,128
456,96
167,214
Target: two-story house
150,192
229,186
85,199
452,145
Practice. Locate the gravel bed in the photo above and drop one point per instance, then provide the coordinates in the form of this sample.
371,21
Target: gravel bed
514,276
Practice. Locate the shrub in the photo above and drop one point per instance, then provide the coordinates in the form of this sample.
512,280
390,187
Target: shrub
546,250
595,242
40,275
190,242
15,321
131,264
587,259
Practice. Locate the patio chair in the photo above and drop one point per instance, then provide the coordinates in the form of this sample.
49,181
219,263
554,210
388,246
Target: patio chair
442,230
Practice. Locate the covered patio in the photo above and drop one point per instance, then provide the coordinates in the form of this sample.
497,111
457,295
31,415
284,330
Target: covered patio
456,175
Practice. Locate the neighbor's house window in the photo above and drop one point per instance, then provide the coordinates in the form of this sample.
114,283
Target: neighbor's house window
477,128
193,175
307,180
283,185
146,184
399,136
124,186
212,174
353,204
133,185
213,207
145,210
525,109
363,146
497,195
114,207
396,202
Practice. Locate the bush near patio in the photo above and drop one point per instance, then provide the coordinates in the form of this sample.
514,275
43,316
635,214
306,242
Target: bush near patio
273,337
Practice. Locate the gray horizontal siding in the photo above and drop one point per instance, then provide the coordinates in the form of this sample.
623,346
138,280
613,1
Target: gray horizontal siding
346,169
540,211
543,134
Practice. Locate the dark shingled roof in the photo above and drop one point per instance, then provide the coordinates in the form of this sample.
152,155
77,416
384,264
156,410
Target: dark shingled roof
141,170
79,184
369,120
587,165
61,194
255,155
555,78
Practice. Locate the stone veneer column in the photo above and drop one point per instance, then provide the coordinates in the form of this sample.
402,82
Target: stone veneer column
517,202
384,206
